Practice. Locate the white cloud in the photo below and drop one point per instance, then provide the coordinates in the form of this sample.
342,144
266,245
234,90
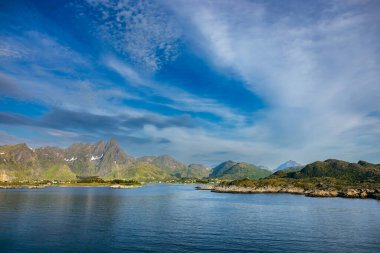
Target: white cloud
126,71
319,75
142,30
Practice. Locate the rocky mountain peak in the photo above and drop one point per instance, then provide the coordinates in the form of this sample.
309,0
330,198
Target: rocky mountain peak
112,143
19,153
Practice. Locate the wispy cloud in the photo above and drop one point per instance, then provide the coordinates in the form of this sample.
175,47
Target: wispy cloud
179,99
63,134
43,51
318,74
74,120
142,30
9,50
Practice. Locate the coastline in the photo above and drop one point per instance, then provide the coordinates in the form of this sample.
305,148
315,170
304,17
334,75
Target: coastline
42,186
348,193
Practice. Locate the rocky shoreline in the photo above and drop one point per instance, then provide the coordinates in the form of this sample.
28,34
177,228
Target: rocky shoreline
348,193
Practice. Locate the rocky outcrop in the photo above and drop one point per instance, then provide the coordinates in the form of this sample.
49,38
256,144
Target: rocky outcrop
361,193
349,193
205,187
321,193
239,189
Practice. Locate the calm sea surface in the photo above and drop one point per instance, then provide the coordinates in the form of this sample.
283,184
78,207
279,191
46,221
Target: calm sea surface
177,218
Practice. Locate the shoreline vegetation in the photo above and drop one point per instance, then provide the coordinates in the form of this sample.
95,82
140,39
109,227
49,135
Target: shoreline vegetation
310,187
98,182
88,182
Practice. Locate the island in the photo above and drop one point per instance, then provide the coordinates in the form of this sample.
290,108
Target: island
330,178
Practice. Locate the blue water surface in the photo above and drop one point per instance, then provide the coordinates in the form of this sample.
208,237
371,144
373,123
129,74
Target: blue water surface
177,218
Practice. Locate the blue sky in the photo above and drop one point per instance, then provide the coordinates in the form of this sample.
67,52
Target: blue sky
204,81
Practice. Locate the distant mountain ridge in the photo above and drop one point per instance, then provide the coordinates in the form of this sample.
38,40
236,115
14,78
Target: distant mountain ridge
289,165
236,170
354,172
106,160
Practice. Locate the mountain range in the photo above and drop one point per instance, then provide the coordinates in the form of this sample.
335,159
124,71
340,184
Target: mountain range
106,160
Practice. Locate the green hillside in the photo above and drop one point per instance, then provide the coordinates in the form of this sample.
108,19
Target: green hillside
197,171
139,171
354,172
58,172
233,170
219,170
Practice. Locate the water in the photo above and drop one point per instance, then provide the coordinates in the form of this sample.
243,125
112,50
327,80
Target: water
177,218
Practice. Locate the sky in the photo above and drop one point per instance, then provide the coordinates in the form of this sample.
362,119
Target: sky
204,81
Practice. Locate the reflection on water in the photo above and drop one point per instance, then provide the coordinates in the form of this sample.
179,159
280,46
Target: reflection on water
176,218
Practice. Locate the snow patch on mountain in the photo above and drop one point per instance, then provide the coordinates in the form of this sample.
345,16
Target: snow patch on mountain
93,158
70,160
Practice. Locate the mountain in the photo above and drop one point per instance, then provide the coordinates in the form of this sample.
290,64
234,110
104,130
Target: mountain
235,170
353,172
106,160
98,159
113,158
219,170
170,165
174,168
84,159
197,171
19,162
289,165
